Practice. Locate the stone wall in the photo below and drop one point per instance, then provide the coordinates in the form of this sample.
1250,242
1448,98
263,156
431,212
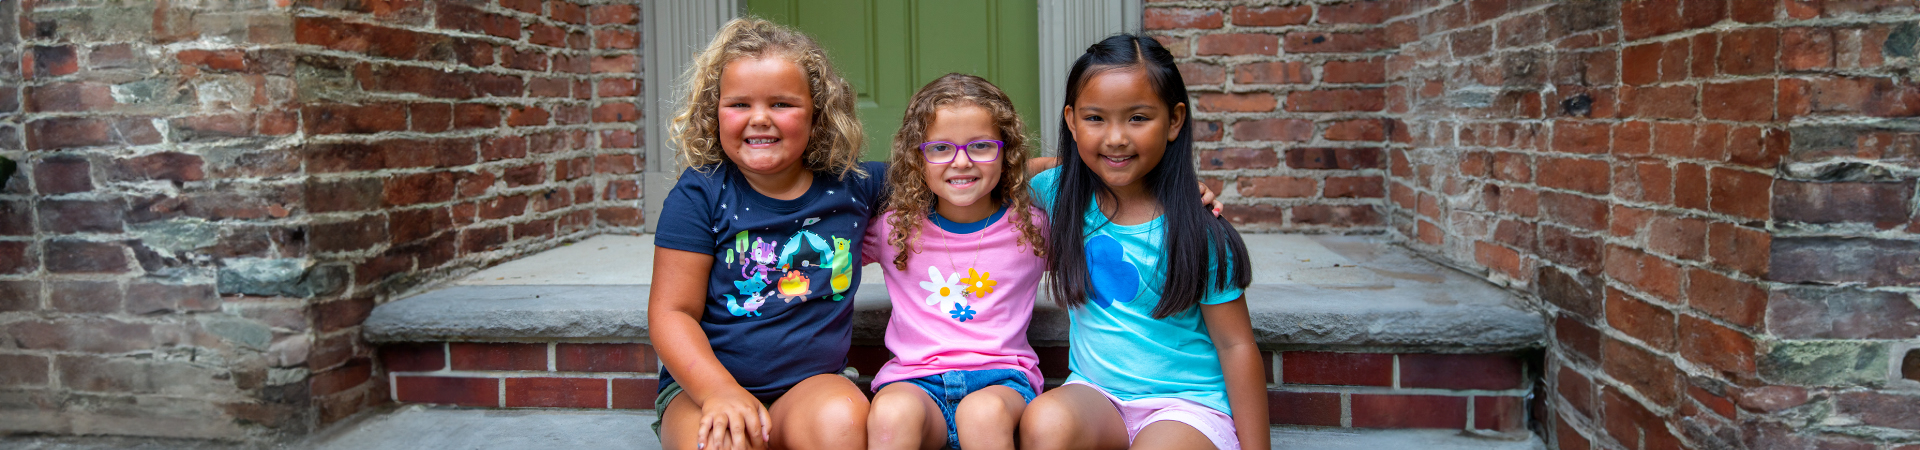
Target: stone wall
210,196
1715,199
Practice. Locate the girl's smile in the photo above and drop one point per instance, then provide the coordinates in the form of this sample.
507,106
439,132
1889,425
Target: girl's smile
1122,128
962,184
766,115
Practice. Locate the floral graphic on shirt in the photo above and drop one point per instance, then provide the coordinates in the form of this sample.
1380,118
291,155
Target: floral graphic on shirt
795,285
978,283
943,291
961,313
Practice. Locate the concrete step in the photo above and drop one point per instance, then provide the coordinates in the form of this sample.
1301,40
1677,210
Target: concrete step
416,427
1358,333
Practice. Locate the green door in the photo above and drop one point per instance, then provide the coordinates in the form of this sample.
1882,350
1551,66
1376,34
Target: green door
889,48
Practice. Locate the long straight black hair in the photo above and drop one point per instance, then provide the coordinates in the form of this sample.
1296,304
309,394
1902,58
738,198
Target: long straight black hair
1192,234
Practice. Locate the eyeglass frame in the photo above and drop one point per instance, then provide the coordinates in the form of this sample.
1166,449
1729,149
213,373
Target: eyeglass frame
998,148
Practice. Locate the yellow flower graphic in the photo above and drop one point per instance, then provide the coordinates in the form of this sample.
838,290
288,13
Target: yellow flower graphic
978,284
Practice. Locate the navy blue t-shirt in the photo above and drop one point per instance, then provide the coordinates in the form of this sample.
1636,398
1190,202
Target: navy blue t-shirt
779,305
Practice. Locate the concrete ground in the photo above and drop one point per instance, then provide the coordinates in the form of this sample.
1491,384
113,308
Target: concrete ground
418,427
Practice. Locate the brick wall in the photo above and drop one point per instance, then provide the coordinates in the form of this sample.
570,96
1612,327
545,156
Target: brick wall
211,197
1290,112
1715,199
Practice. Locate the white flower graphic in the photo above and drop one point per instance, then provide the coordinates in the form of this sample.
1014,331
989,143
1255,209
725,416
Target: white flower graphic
944,291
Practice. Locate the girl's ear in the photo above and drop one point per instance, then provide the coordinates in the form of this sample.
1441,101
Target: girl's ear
1066,113
1179,118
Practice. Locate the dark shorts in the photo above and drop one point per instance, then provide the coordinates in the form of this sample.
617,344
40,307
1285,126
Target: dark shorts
671,390
947,389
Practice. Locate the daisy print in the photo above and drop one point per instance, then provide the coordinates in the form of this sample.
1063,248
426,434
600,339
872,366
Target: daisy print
943,291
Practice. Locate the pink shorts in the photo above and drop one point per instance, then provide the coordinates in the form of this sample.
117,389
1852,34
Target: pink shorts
1216,425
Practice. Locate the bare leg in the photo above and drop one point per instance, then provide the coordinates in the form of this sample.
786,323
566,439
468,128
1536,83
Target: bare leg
680,425
989,415
1169,434
905,417
1073,417
823,412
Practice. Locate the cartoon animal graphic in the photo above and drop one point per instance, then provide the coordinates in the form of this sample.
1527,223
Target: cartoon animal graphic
810,241
1114,279
842,268
795,285
751,308
752,285
759,259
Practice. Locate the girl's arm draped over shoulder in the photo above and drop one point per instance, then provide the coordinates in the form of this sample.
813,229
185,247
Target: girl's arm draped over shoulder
675,305
1232,331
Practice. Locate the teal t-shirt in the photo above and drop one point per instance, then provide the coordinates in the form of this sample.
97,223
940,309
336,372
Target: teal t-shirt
1116,342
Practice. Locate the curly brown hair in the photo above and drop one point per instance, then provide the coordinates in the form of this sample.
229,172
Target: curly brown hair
906,172
837,139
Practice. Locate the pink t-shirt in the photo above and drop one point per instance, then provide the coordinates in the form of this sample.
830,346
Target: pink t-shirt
964,301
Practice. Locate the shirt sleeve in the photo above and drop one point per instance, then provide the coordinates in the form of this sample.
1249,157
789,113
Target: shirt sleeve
1215,297
1042,186
873,246
874,186
686,219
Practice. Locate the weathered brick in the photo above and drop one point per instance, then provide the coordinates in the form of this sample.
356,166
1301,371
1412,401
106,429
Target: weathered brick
1294,130
1276,72
1238,44
151,298
82,216
1740,193
1271,16
75,256
1334,158
1335,100
1182,18
1282,187
99,297
1228,102
1813,312
1749,51
1359,12
1355,187
1882,204
1652,325
1361,71
1335,215
1716,346
1749,101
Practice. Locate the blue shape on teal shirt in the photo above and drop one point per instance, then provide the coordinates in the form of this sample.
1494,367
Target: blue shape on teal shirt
1114,279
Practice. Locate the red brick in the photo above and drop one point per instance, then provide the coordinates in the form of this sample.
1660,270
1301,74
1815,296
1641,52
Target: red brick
528,116
1293,130
1648,273
1690,186
614,14
1504,414
1581,212
1360,12
1355,187
1652,375
1357,130
1629,421
1500,259
1316,409
1576,389
1669,102
1572,334
448,390
1580,137
72,132
1335,100
1332,42
1347,369
1362,71
413,189
1334,158
1271,16
1460,372
604,358
1182,18
74,256
1229,102
1754,12
1577,174
634,393
1716,346
1741,193
1750,51
481,356
51,61
1195,73
413,357
1739,302
1409,411
1640,19
1569,438
1739,248
1238,44
1806,48
615,64
1650,324
1282,187
1640,64
1748,101
1684,238
556,392
1237,158
1278,72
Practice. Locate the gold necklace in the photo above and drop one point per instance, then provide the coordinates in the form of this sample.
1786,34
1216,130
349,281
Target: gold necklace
947,244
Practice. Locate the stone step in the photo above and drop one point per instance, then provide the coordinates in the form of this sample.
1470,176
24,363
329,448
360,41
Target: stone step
416,427
1357,333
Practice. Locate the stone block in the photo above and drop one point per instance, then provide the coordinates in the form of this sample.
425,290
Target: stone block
99,297
1811,312
141,376
1882,204
289,277
1874,262
1881,409
1824,363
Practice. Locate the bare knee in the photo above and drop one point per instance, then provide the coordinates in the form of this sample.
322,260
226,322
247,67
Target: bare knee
987,411
894,416
1047,413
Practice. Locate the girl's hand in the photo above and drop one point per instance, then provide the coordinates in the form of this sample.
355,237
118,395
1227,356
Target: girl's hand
1207,198
733,420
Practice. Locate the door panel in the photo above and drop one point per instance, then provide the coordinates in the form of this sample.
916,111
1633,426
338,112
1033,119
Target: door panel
887,49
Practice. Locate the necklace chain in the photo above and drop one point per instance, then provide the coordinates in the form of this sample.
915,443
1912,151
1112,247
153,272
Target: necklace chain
946,243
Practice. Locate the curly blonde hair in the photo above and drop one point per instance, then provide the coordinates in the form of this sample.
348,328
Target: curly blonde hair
837,139
906,173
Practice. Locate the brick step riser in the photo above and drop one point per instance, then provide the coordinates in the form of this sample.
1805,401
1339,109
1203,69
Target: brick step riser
1310,388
